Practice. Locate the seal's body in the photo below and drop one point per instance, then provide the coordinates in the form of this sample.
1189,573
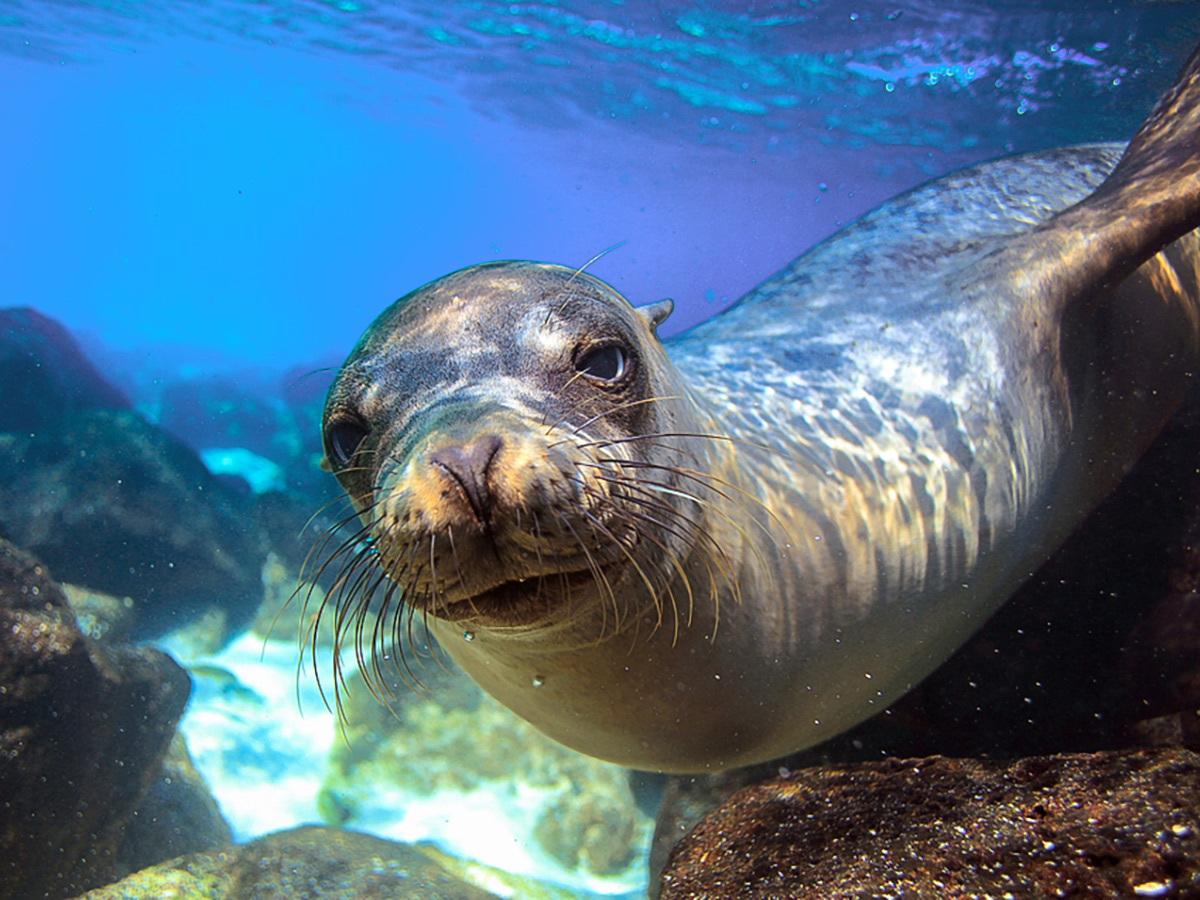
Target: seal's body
719,550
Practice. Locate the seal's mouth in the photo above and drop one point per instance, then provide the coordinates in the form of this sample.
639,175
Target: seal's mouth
522,600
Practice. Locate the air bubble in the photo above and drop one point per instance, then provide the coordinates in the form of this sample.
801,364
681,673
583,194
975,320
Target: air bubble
539,680
468,636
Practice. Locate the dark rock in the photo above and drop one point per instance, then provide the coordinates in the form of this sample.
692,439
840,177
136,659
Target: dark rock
1159,672
1174,730
44,375
307,862
112,503
296,524
1113,824
83,730
102,617
177,816
217,411
689,798
279,421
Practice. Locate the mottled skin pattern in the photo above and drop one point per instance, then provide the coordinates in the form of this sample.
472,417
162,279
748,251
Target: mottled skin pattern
835,482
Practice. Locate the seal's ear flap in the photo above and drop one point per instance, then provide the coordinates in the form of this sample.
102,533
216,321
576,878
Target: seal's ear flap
657,312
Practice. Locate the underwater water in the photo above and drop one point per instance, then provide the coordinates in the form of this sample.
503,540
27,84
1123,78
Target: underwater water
216,198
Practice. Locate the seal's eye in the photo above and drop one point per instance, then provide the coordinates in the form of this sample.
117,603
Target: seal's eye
342,440
606,363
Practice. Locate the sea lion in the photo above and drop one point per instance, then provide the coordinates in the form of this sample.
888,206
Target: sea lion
716,549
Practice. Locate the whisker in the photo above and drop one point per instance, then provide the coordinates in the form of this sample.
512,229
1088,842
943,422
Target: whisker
644,487
597,573
576,274
620,407
709,480
689,540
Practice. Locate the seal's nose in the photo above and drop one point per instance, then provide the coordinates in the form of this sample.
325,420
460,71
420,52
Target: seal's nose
468,465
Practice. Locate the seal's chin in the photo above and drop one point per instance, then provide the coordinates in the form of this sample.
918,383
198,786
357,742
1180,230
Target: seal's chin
521,601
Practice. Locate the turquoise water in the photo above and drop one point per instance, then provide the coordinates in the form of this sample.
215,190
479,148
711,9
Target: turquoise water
217,188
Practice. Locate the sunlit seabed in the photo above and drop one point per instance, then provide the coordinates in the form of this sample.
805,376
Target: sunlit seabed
262,738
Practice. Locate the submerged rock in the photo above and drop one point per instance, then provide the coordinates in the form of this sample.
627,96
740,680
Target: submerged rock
178,815
44,375
218,411
1114,824
307,862
274,425
83,731
114,504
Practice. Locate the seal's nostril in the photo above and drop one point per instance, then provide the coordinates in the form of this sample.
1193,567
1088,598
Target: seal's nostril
469,466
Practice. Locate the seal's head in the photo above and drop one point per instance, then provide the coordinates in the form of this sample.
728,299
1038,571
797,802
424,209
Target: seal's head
495,430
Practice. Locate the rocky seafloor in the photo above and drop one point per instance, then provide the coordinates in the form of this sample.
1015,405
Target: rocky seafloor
147,555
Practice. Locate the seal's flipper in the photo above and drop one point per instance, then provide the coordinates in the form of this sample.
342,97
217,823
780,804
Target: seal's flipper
1150,200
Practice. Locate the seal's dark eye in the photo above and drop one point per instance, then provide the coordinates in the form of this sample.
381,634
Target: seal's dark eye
606,363
342,440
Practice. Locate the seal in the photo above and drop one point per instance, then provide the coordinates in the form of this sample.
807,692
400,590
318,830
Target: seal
699,553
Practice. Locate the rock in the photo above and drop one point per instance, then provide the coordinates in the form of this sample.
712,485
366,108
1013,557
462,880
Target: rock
114,504
592,829
101,616
44,375
306,862
298,529
1159,671
83,730
218,411
278,421
1174,730
177,816
1112,824
689,798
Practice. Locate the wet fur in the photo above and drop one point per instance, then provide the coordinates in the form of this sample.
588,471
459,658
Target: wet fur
784,518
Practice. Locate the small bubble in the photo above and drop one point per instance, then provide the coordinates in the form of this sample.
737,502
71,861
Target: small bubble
539,680
468,636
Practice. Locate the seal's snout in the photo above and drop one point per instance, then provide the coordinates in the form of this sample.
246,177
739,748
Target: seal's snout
469,465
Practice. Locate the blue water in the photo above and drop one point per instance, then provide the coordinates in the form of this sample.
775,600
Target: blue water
204,186
198,188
